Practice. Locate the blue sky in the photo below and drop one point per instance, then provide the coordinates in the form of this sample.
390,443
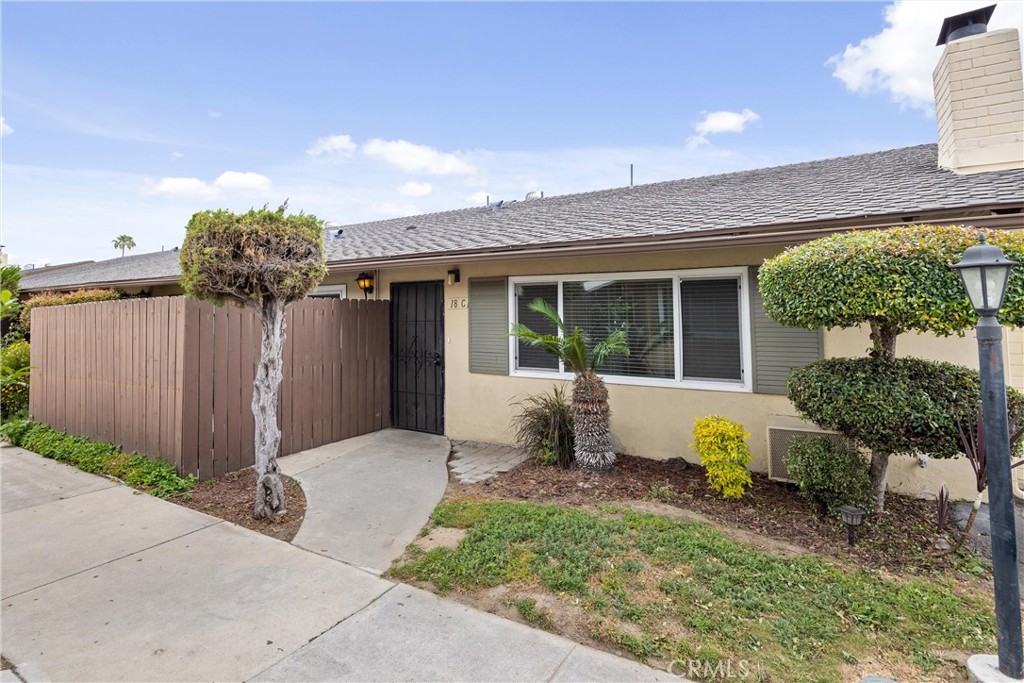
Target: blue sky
127,118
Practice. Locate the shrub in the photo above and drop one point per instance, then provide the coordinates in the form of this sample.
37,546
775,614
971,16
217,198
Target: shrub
907,405
899,277
62,299
543,428
157,477
829,474
14,359
723,451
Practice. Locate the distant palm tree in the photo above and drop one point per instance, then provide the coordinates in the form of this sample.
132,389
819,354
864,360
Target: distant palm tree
590,412
123,242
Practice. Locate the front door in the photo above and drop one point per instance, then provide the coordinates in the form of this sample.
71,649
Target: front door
417,356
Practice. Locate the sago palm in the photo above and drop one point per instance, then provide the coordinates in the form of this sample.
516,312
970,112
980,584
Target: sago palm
589,394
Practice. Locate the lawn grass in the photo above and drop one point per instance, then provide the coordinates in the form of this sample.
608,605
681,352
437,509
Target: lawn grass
675,590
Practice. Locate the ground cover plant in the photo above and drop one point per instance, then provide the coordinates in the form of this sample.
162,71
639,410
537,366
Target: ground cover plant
543,427
157,477
674,590
771,513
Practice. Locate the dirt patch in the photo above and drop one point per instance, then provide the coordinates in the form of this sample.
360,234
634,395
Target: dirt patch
440,537
903,537
230,497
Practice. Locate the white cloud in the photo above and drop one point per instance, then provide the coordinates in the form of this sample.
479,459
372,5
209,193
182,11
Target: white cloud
5,128
182,187
176,155
215,114
720,122
227,182
235,180
414,189
413,158
899,60
333,145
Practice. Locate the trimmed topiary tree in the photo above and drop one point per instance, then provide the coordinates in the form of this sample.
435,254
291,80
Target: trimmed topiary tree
894,281
266,261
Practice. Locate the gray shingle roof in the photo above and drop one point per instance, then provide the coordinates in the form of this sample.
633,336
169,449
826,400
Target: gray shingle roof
903,181
160,265
899,181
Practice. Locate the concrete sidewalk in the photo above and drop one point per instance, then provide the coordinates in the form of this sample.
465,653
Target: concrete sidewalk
100,583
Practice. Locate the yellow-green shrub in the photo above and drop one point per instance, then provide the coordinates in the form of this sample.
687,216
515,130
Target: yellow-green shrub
80,296
721,444
14,359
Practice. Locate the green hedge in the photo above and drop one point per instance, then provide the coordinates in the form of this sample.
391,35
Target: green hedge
907,405
157,477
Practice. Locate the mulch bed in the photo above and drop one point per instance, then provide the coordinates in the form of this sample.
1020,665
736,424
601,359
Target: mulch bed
230,497
902,537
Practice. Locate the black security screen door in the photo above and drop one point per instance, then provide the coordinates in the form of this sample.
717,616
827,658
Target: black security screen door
417,356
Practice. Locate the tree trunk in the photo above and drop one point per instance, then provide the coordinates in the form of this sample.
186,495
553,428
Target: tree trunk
883,340
879,475
967,528
269,490
591,414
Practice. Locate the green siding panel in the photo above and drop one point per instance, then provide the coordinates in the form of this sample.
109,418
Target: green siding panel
778,349
488,325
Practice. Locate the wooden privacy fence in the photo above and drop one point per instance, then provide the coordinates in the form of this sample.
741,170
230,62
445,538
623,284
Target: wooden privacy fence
172,378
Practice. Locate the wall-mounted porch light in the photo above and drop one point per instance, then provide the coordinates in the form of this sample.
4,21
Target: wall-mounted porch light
365,282
454,276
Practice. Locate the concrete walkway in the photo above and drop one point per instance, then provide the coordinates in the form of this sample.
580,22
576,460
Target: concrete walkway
367,498
100,583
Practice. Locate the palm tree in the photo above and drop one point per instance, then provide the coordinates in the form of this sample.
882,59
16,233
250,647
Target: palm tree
589,394
123,242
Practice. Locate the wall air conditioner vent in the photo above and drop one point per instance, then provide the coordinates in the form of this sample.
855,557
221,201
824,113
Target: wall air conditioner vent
779,438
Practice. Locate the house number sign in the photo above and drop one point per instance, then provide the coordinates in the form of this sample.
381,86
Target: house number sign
454,304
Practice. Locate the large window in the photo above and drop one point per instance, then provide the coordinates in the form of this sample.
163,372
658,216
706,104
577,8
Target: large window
641,308
683,328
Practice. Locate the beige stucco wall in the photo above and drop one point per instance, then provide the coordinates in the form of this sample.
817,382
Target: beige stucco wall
656,422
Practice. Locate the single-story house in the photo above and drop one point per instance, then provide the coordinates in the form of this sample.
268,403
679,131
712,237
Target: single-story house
676,260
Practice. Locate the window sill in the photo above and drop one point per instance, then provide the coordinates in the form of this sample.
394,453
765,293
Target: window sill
696,385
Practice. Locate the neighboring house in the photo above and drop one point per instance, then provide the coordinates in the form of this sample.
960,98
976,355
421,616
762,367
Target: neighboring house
677,262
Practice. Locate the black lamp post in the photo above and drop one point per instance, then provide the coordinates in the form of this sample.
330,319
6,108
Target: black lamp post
985,271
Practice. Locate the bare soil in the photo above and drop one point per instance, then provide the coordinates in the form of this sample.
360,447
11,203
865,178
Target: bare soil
230,497
901,538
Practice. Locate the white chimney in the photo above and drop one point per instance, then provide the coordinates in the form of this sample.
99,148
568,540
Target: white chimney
979,96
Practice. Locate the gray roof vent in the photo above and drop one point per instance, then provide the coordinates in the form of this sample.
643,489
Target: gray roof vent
530,196
496,206
967,24
410,227
335,234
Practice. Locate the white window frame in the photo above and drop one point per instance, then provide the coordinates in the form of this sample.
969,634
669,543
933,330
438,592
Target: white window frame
740,273
329,292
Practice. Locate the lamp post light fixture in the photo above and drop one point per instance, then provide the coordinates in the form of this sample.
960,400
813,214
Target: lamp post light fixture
852,518
985,272
365,282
